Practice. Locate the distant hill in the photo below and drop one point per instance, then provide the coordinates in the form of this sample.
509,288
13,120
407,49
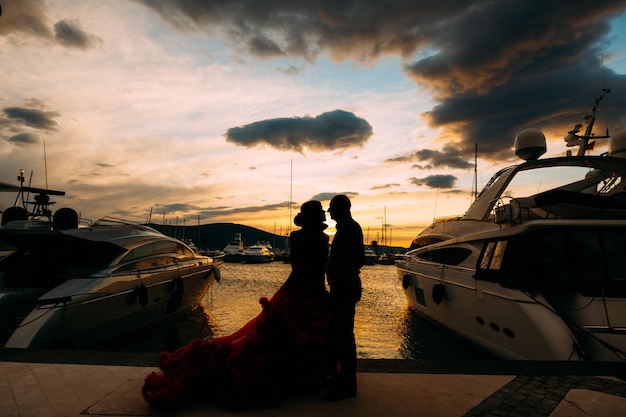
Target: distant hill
217,235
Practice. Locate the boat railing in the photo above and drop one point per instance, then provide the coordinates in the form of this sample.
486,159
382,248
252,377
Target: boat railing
115,221
414,258
512,212
446,219
82,222
399,257
559,204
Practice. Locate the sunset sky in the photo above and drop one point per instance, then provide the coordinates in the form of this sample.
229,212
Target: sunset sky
227,111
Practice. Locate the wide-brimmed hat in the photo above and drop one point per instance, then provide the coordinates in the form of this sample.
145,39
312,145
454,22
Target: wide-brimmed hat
311,212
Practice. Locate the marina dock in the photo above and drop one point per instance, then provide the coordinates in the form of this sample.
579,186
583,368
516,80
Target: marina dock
90,383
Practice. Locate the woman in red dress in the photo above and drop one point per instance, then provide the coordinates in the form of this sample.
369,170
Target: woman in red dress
280,353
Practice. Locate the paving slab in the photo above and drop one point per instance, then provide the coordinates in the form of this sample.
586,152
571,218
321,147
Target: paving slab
386,388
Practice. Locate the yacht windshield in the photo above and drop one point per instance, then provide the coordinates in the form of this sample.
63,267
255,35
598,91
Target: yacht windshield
568,178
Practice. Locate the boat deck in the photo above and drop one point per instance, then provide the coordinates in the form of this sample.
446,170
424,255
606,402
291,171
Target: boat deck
79,383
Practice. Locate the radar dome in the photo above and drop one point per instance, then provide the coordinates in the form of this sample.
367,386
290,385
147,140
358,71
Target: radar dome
530,144
617,144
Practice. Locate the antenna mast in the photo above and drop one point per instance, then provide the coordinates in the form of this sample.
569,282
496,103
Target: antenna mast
45,163
584,140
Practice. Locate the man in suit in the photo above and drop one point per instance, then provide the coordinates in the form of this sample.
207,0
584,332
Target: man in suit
346,258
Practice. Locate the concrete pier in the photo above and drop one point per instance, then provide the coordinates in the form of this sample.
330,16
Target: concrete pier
83,383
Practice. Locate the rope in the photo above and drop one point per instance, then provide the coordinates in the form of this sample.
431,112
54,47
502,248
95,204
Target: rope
584,331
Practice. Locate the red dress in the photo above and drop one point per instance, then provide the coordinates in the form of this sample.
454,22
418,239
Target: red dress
280,353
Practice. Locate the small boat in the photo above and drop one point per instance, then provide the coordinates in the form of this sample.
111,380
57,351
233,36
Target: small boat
71,286
386,259
216,254
533,270
191,244
233,252
370,256
260,252
281,255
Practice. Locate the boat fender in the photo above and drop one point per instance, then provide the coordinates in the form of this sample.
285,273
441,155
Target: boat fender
218,273
178,283
142,295
176,298
406,281
439,291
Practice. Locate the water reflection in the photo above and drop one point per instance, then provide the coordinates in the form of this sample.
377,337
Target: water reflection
167,335
379,314
422,339
385,328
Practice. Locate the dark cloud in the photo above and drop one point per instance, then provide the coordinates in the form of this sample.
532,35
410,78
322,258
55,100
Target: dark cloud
24,17
385,186
493,67
291,70
35,118
217,211
19,125
70,34
333,130
28,18
342,29
435,181
327,196
450,157
528,38
24,139
553,104
324,196
175,207
228,210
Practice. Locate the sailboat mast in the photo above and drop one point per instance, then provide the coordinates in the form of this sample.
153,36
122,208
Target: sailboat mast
475,184
290,204
385,225
290,191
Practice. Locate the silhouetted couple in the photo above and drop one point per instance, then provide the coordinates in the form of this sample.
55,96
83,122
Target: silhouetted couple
300,343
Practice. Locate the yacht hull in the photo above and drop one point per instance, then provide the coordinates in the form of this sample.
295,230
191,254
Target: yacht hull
256,259
504,323
230,258
102,309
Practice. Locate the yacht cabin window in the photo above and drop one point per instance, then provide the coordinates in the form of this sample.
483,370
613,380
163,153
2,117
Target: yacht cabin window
585,260
158,248
493,255
447,256
422,241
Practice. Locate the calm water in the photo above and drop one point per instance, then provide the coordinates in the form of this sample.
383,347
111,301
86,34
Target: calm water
385,327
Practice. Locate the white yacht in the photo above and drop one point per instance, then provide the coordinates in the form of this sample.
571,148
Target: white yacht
63,285
233,252
260,252
370,256
533,269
